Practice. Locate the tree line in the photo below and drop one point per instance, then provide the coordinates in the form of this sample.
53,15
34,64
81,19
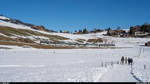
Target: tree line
84,31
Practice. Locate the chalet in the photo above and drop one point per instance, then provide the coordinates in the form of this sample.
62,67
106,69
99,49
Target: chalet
96,31
65,32
123,34
141,34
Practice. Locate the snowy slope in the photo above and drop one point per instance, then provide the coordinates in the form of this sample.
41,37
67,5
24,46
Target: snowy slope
3,17
129,42
71,36
119,42
9,24
21,26
17,26
81,36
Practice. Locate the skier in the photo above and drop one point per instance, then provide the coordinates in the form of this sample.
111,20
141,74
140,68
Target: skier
122,60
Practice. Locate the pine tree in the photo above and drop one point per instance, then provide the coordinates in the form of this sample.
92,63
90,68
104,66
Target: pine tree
75,31
85,31
60,31
108,31
132,31
80,31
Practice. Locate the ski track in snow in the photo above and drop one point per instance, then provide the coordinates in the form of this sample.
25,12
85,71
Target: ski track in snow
120,73
137,70
134,76
125,73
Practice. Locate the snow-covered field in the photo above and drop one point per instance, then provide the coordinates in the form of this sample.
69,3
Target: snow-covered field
18,64
73,65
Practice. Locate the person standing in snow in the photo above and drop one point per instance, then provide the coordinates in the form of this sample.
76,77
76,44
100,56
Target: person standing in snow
122,60
129,60
126,60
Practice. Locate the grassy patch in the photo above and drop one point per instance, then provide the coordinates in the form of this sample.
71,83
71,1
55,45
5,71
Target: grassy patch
10,31
35,45
80,40
51,47
11,43
6,38
95,40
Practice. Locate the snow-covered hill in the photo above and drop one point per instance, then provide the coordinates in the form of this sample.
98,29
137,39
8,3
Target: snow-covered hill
25,30
18,26
11,28
28,64
4,18
5,21
21,26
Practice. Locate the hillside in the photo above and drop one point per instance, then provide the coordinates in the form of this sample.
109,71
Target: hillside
25,58
16,32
